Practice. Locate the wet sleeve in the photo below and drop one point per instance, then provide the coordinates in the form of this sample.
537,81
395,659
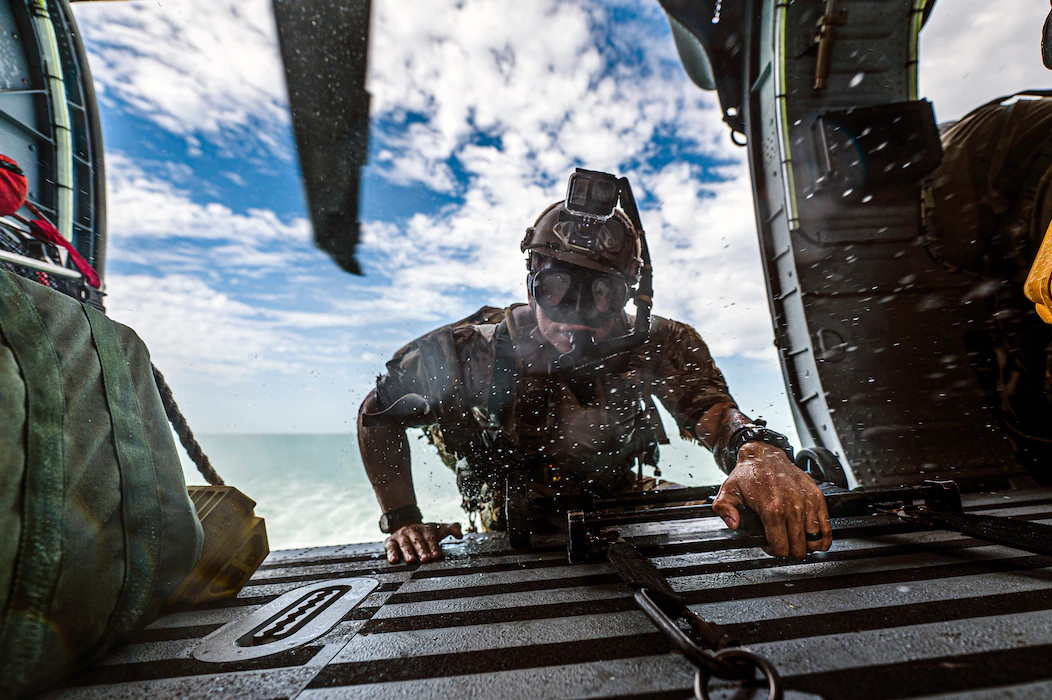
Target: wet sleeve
405,374
445,367
686,381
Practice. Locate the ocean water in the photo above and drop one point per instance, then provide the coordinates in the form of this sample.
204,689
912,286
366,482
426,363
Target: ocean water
312,489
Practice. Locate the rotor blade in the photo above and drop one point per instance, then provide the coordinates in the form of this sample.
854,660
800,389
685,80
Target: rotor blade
324,46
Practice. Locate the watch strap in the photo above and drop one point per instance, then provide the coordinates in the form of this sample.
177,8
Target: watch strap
727,454
399,517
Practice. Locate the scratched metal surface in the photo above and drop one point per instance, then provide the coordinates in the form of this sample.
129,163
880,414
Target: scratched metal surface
889,612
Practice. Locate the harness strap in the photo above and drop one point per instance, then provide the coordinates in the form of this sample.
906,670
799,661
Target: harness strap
459,431
532,395
517,402
140,501
1034,191
502,387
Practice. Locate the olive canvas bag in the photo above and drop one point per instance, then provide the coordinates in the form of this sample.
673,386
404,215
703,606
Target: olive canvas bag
96,526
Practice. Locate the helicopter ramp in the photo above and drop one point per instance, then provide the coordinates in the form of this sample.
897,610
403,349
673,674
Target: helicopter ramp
889,612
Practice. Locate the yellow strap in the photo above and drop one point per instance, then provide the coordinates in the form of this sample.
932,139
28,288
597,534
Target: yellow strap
1037,282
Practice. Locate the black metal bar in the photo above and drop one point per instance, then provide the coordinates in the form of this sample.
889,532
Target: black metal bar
1027,536
684,645
663,496
652,515
938,496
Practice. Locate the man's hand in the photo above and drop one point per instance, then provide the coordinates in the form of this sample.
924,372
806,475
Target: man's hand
787,500
419,542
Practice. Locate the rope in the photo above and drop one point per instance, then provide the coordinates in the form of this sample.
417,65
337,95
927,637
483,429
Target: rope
182,429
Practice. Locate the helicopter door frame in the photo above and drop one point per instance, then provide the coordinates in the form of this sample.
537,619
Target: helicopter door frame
870,330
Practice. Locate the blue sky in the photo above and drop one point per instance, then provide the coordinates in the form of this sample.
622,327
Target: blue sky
480,110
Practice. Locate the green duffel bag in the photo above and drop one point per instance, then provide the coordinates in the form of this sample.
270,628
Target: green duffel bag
96,527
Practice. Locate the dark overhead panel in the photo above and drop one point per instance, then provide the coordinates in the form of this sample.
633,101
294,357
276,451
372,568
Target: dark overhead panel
877,344
324,46
709,36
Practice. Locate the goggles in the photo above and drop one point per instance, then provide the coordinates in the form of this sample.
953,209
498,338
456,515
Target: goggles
575,294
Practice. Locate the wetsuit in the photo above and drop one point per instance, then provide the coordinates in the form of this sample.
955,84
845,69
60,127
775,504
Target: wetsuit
497,402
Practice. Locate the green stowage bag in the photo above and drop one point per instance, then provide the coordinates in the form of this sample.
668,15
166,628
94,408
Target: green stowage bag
96,526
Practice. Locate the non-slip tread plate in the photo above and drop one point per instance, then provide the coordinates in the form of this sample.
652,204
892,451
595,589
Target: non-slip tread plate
891,611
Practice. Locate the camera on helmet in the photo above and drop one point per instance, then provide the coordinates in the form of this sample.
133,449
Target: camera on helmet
592,194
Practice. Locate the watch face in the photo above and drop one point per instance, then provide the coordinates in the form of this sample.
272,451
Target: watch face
385,523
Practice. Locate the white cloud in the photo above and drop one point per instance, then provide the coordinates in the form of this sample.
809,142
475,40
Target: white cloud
198,330
532,74
212,70
148,205
198,303
197,68
706,259
190,327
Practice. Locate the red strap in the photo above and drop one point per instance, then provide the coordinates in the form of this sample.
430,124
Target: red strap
43,230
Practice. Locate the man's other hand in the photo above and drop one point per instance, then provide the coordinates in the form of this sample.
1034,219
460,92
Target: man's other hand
789,504
419,542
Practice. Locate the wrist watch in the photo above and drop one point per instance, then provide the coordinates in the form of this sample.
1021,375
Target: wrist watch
727,455
400,517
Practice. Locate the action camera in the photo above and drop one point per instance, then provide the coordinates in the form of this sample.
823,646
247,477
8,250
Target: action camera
592,194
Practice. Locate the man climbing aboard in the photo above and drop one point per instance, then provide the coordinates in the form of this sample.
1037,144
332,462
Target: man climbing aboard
562,389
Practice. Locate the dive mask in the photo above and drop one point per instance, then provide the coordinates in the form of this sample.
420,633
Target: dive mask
578,295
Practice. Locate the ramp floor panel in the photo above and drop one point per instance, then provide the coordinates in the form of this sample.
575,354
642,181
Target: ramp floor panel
891,611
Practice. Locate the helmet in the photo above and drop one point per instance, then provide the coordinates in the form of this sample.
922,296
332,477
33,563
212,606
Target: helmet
612,245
